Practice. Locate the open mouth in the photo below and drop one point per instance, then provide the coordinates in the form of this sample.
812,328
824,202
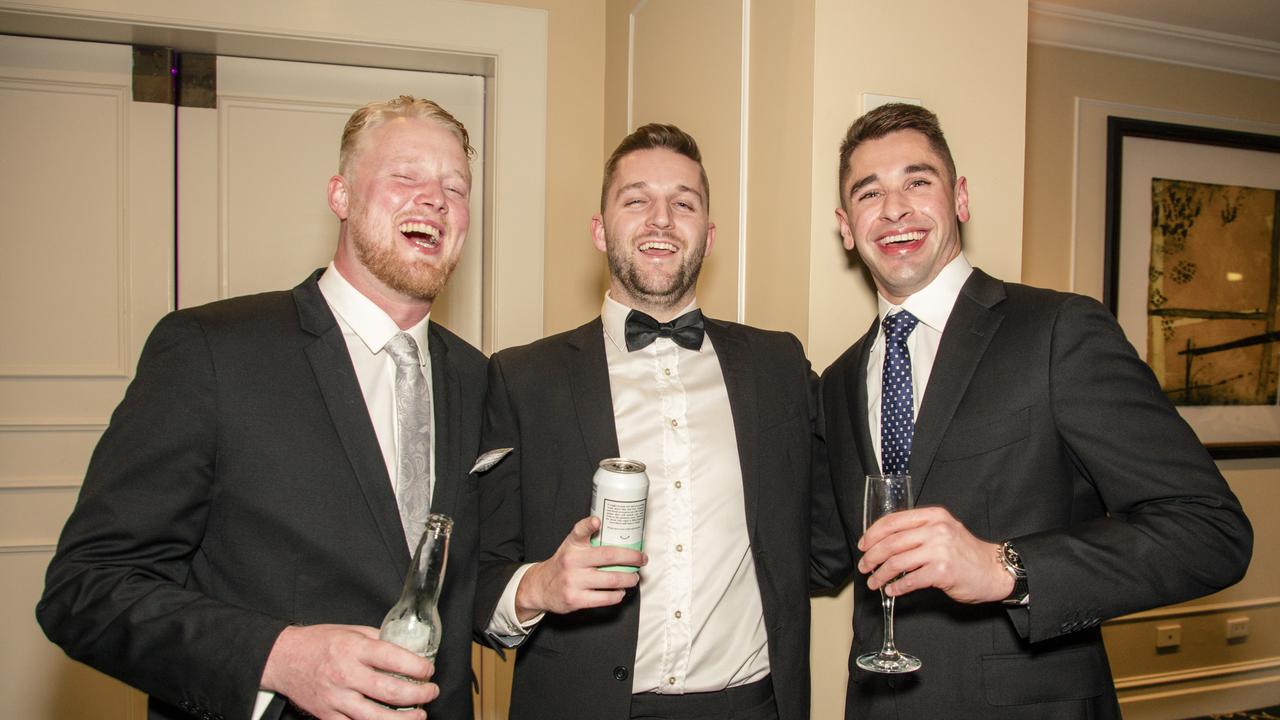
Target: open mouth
421,234
906,237
657,247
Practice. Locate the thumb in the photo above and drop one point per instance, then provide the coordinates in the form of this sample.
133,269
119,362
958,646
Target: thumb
583,530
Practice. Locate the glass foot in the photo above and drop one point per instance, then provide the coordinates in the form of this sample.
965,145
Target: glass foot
892,664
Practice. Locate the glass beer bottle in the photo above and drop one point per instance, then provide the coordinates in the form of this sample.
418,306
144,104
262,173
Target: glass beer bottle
414,621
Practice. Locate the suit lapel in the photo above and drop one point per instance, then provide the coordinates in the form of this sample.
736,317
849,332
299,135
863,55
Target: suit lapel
336,378
856,389
739,382
588,373
964,341
446,403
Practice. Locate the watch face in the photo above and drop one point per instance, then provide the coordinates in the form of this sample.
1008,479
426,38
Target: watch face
1012,560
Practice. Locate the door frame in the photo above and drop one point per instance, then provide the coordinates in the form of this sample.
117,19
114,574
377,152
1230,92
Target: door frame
506,45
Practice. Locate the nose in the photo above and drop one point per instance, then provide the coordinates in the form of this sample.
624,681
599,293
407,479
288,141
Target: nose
895,206
431,194
660,217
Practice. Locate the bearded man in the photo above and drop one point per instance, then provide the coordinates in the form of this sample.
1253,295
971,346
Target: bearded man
248,515
715,623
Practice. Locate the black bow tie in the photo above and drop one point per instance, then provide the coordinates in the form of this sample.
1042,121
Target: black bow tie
685,331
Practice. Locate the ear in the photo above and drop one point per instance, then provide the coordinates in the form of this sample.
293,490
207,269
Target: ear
597,233
711,238
338,201
845,233
962,199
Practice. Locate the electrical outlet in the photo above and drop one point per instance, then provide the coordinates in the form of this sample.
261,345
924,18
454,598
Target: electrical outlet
1168,636
1237,628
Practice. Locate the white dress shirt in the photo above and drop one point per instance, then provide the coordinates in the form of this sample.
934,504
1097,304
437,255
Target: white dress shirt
932,306
366,329
701,618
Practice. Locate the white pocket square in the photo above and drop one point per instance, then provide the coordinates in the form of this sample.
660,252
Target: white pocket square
489,459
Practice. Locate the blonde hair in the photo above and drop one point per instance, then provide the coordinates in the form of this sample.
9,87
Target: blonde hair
376,113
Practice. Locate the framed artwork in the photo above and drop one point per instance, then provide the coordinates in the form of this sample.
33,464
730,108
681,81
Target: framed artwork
1192,272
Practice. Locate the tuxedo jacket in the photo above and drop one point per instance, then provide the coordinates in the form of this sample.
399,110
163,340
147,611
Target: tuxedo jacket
1039,425
239,489
551,402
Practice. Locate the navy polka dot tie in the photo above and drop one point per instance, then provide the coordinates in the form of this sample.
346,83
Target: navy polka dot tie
897,415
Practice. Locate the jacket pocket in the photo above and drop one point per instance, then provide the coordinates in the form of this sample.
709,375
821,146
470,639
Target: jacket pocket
969,437
1023,679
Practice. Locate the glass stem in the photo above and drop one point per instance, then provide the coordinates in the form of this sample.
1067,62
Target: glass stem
887,649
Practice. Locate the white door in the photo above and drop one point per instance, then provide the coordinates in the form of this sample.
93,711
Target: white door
253,172
86,272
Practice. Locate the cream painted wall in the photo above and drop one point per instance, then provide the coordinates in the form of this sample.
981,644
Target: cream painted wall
574,271
780,130
1206,673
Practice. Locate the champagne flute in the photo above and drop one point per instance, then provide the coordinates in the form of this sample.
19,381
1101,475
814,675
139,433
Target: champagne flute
886,494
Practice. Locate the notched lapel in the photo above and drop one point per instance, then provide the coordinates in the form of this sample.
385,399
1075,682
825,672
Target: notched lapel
588,373
446,404
738,369
969,331
336,378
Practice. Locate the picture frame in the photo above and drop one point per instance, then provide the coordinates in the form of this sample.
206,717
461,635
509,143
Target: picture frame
1194,284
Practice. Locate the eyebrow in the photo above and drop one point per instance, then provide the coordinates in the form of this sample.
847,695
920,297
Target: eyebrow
640,184
908,170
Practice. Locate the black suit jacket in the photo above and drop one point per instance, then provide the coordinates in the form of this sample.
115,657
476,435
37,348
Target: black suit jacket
1040,424
239,489
551,402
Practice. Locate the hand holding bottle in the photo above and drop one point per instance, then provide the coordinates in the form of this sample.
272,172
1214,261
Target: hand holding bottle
341,671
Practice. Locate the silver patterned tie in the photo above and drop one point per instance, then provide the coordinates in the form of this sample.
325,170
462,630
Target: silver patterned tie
413,438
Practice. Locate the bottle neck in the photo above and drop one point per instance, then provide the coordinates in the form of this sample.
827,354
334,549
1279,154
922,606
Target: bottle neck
426,576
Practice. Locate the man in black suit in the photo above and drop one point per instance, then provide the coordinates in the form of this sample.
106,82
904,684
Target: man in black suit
1056,485
716,621
249,512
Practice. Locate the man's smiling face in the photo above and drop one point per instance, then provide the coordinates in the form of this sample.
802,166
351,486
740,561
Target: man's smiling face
902,211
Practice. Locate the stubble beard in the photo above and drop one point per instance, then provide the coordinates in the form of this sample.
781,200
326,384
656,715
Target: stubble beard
655,291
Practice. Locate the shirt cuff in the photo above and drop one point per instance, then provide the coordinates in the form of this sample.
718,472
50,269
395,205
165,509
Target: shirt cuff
505,626
260,704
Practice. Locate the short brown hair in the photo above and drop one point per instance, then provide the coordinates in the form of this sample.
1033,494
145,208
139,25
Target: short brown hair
652,137
376,113
888,119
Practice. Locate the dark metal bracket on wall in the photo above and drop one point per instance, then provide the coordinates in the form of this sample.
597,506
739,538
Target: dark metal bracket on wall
164,75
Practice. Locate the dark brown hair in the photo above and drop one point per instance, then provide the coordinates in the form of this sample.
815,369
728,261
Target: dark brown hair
888,119
651,137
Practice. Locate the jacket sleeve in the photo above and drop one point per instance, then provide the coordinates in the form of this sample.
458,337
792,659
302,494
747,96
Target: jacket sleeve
501,550
1173,530
117,594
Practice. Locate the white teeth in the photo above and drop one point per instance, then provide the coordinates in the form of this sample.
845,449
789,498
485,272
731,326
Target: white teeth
420,227
658,245
904,237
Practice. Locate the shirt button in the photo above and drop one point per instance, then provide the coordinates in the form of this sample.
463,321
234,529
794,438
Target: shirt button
679,484
675,423
679,614
666,371
671,681
679,548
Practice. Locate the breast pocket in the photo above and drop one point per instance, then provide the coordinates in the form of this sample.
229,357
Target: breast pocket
970,437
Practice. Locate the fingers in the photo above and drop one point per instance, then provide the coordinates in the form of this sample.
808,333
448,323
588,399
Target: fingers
929,548
340,671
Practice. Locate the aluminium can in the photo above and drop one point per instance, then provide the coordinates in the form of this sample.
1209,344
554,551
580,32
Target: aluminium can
619,496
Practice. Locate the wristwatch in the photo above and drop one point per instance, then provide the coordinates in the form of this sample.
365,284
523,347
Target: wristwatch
1012,563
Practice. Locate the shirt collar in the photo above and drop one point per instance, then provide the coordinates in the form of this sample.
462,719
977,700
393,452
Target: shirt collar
368,321
933,303
614,316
